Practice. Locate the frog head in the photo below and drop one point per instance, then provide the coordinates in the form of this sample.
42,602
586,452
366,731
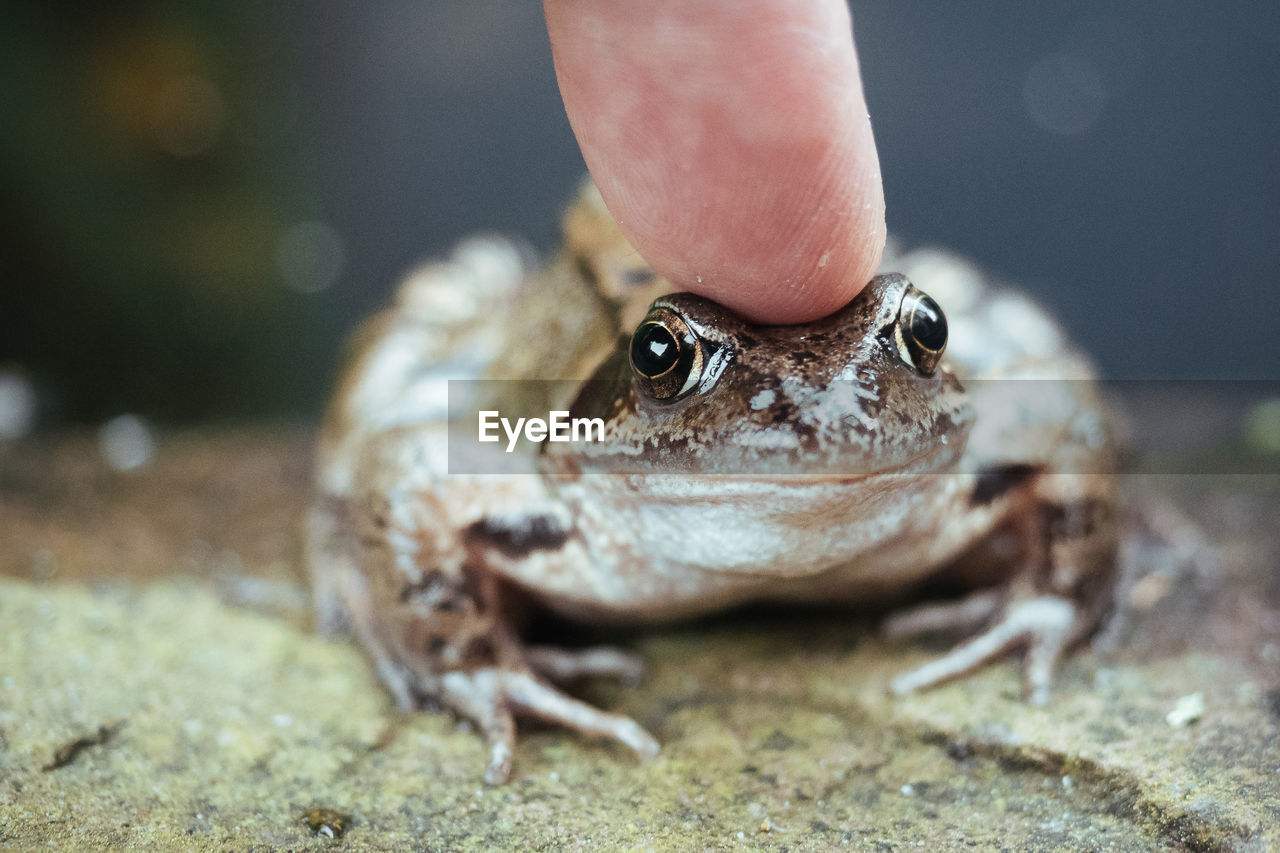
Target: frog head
697,389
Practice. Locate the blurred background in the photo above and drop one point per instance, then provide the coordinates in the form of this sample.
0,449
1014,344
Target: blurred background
199,200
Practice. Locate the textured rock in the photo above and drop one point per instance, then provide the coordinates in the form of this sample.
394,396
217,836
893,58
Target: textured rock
182,703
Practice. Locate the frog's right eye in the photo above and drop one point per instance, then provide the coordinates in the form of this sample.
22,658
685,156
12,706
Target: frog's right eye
666,357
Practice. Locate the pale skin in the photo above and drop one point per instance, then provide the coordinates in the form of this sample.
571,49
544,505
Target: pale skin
731,141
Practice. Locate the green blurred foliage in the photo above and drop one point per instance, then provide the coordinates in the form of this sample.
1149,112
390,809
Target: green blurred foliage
147,172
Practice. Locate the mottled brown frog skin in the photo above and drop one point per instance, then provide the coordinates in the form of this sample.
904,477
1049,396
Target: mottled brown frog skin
847,459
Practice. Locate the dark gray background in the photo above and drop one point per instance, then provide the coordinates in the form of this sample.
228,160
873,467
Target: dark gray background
1117,159
1153,231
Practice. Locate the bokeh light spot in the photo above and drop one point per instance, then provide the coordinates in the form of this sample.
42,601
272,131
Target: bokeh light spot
126,443
1064,94
17,404
310,256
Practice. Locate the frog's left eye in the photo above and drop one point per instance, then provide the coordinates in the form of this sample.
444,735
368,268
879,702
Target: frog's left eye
666,357
921,331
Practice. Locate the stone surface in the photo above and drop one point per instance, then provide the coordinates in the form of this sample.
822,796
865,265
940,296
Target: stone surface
160,689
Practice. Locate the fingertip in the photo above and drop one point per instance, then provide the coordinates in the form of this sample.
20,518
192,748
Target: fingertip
731,143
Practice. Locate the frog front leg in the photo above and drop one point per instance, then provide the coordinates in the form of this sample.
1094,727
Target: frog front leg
436,616
1055,598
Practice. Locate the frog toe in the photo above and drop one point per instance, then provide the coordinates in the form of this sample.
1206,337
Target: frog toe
478,696
965,615
531,696
491,697
1043,625
563,665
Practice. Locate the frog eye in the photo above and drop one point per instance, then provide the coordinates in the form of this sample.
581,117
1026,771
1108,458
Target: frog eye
666,356
921,331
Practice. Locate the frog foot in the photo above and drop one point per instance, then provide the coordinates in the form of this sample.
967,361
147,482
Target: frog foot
1044,626
492,697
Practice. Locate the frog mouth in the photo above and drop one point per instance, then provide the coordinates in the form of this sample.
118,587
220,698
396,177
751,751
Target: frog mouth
930,461
858,467
910,469
789,458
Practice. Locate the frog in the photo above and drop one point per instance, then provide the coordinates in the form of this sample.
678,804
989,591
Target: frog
873,455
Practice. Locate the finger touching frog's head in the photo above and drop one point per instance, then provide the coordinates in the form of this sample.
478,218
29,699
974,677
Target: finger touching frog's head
698,389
